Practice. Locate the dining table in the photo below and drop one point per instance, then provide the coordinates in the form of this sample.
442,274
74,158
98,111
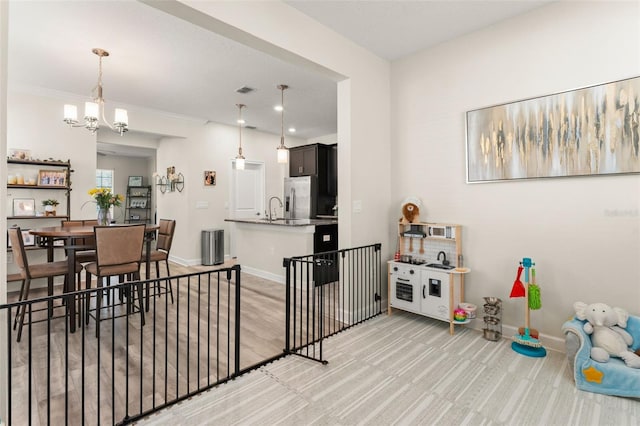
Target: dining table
70,234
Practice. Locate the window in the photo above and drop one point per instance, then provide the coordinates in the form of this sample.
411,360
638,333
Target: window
104,179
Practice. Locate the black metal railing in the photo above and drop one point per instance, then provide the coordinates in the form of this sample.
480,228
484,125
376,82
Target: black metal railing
328,293
130,370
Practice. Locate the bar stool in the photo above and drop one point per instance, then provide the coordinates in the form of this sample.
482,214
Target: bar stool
29,272
118,250
161,253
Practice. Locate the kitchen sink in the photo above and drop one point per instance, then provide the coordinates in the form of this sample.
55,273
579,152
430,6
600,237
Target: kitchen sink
439,266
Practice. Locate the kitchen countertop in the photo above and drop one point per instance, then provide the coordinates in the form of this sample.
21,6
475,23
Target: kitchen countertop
286,222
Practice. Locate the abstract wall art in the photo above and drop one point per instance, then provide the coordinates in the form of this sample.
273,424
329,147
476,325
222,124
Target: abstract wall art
587,131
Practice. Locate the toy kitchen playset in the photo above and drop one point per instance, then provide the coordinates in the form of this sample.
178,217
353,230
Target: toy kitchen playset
427,276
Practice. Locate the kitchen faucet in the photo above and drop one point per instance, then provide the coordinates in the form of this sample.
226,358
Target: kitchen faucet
444,258
270,209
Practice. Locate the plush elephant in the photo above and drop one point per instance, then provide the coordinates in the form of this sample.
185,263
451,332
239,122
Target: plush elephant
608,336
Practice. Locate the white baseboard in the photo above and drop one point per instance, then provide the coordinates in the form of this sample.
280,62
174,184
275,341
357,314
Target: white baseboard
190,262
262,274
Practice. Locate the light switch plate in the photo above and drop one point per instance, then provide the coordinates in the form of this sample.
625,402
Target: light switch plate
202,204
357,206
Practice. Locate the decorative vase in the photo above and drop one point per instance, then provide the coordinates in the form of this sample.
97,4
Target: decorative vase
104,217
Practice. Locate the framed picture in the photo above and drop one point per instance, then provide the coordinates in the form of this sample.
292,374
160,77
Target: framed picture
19,154
135,180
209,178
588,131
29,239
53,178
24,207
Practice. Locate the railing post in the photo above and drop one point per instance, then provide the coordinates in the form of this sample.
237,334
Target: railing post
236,268
286,262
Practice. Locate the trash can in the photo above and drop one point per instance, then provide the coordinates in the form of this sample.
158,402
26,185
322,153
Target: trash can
212,247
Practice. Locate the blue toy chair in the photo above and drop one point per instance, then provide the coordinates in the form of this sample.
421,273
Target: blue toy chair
610,378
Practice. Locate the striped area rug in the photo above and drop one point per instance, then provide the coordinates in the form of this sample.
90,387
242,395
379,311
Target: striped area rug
406,369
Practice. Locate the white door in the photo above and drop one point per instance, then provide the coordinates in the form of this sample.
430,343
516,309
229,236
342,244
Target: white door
247,190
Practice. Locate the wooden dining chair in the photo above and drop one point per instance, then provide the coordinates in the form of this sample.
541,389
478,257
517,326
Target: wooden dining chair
30,272
166,230
118,251
83,256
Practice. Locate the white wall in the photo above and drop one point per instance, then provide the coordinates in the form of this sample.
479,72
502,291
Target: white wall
582,251
211,147
4,16
51,138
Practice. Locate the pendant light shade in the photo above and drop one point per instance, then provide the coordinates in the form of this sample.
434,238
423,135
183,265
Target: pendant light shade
283,151
240,157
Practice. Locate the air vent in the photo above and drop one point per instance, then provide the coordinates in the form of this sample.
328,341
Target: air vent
245,90
250,127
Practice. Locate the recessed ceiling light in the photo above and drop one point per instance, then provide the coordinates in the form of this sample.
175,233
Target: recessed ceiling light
292,129
240,121
278,108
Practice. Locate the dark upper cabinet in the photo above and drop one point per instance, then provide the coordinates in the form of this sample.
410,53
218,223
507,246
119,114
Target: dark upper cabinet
303,161
321,161
332,170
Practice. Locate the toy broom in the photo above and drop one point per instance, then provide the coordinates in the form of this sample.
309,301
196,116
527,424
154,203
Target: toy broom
523,342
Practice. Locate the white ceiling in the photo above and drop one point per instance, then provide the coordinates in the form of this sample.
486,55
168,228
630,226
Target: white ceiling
394,29
162,63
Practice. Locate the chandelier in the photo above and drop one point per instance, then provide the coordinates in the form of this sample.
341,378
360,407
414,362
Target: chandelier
94,111
283,151
240,157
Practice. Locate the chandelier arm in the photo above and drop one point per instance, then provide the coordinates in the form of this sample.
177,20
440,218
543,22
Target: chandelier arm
101,106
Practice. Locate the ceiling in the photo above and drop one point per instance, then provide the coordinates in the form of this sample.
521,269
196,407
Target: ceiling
162,63
394,29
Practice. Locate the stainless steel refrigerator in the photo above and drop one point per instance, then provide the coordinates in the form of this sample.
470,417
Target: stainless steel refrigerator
300,196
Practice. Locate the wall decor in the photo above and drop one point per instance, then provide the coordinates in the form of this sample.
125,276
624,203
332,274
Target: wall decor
19,154
171,182
55,178
24,207
587,131
209,178
135,180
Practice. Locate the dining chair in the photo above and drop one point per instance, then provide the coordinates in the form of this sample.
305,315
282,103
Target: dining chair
118,251
83,256
166,230
30,272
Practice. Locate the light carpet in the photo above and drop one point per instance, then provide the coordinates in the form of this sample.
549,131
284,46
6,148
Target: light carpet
406,369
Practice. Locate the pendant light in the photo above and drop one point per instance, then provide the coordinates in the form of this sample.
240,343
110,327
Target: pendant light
283,151
240,157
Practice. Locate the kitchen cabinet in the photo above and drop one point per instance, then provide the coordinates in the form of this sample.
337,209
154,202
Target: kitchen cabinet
138,204
303,160
321,161
29,183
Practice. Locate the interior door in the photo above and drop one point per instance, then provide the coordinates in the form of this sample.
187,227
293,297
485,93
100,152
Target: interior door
247,190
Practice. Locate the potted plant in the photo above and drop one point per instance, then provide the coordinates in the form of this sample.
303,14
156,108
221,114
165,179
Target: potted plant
50,207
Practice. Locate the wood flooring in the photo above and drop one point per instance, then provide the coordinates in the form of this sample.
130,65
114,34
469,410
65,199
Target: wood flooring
181,347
